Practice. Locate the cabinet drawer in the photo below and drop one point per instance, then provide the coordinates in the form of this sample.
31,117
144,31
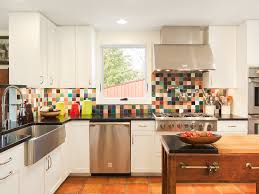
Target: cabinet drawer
233,126
143,125
12,159
190,168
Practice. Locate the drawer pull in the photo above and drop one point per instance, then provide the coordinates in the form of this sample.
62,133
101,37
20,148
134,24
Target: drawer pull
232,126
142,125
250,166
212,168
3,178
6,162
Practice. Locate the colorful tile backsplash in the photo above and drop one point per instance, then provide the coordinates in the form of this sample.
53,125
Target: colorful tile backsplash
171,92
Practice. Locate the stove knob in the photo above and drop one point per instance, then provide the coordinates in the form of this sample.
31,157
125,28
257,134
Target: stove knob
192,126
186,126
200,127
210,127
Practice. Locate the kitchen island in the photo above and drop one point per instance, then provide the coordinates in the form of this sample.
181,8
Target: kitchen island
236,161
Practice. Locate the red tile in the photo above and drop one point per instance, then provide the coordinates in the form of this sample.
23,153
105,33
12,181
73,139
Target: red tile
137,188
228,189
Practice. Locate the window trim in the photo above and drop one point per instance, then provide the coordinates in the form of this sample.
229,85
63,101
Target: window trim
100,99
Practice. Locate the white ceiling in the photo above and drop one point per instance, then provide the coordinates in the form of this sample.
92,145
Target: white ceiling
141,14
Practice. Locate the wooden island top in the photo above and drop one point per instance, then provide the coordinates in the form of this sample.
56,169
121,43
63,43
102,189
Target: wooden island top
238,144
237,161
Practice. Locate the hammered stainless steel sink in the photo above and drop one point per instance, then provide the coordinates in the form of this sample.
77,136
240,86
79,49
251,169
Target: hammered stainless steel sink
45,138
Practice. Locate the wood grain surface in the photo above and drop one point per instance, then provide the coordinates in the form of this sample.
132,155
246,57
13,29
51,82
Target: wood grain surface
247,144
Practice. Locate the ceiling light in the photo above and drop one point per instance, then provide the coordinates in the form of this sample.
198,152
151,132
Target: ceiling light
122,21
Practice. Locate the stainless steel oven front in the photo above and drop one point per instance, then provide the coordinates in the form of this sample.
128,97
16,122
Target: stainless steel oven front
253,91
253,124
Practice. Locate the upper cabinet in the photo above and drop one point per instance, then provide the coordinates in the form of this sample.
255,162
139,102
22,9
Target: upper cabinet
222,40
76,56
32,50
47,56
251,28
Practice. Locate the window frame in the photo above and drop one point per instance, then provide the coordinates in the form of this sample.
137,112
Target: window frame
101,99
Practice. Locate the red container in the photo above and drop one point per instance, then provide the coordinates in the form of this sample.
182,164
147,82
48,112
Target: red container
75,109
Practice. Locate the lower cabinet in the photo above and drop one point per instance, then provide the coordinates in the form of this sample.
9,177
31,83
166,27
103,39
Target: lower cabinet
54,166
9,184
45,176
11,162
232,127
77,147
145,148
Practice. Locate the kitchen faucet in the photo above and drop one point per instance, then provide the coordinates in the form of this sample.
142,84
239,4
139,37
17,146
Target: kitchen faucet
5,120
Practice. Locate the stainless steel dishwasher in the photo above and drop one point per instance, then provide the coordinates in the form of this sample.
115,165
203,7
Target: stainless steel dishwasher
110,147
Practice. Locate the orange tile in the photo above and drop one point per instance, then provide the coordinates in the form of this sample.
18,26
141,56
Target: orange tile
116,180
113,188
155,179
247,188
92,188
97,180
138,188
76,179
205,189
228,189
155,187
137,180
185,189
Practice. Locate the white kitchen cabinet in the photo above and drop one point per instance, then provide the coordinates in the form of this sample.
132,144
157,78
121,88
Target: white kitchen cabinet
67,56
12,161
32,45
76,56
10,184
53,170
232,127
32,178
252,43
223,42
77,137
145,148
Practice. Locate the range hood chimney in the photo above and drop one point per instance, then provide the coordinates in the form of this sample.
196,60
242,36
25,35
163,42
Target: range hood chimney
183,49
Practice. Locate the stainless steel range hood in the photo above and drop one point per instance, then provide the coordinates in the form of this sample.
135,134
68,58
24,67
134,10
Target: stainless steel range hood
183,49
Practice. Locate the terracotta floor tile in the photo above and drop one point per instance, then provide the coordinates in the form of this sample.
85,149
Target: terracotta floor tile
69,188
228,189
137,180
205,189
116,180
247,188
155,187
113,189
155,179
76,179
97,180
138,188
185,189
92,188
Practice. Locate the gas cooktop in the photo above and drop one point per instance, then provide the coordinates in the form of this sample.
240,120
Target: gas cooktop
178,122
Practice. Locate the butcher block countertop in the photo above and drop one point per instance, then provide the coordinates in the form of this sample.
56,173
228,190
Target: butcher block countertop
248,144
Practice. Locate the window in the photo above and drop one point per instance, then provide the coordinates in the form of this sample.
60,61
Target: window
123,76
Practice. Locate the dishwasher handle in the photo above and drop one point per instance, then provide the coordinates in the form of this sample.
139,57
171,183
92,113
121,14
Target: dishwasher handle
109,123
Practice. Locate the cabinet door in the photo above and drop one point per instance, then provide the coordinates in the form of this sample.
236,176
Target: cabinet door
157,155
32,178
67,56
252,42
10,183
24,49
224,56
53,166
53,65
85,55
142,151
78,146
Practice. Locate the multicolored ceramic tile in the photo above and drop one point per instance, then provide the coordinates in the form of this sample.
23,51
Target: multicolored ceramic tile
171,92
